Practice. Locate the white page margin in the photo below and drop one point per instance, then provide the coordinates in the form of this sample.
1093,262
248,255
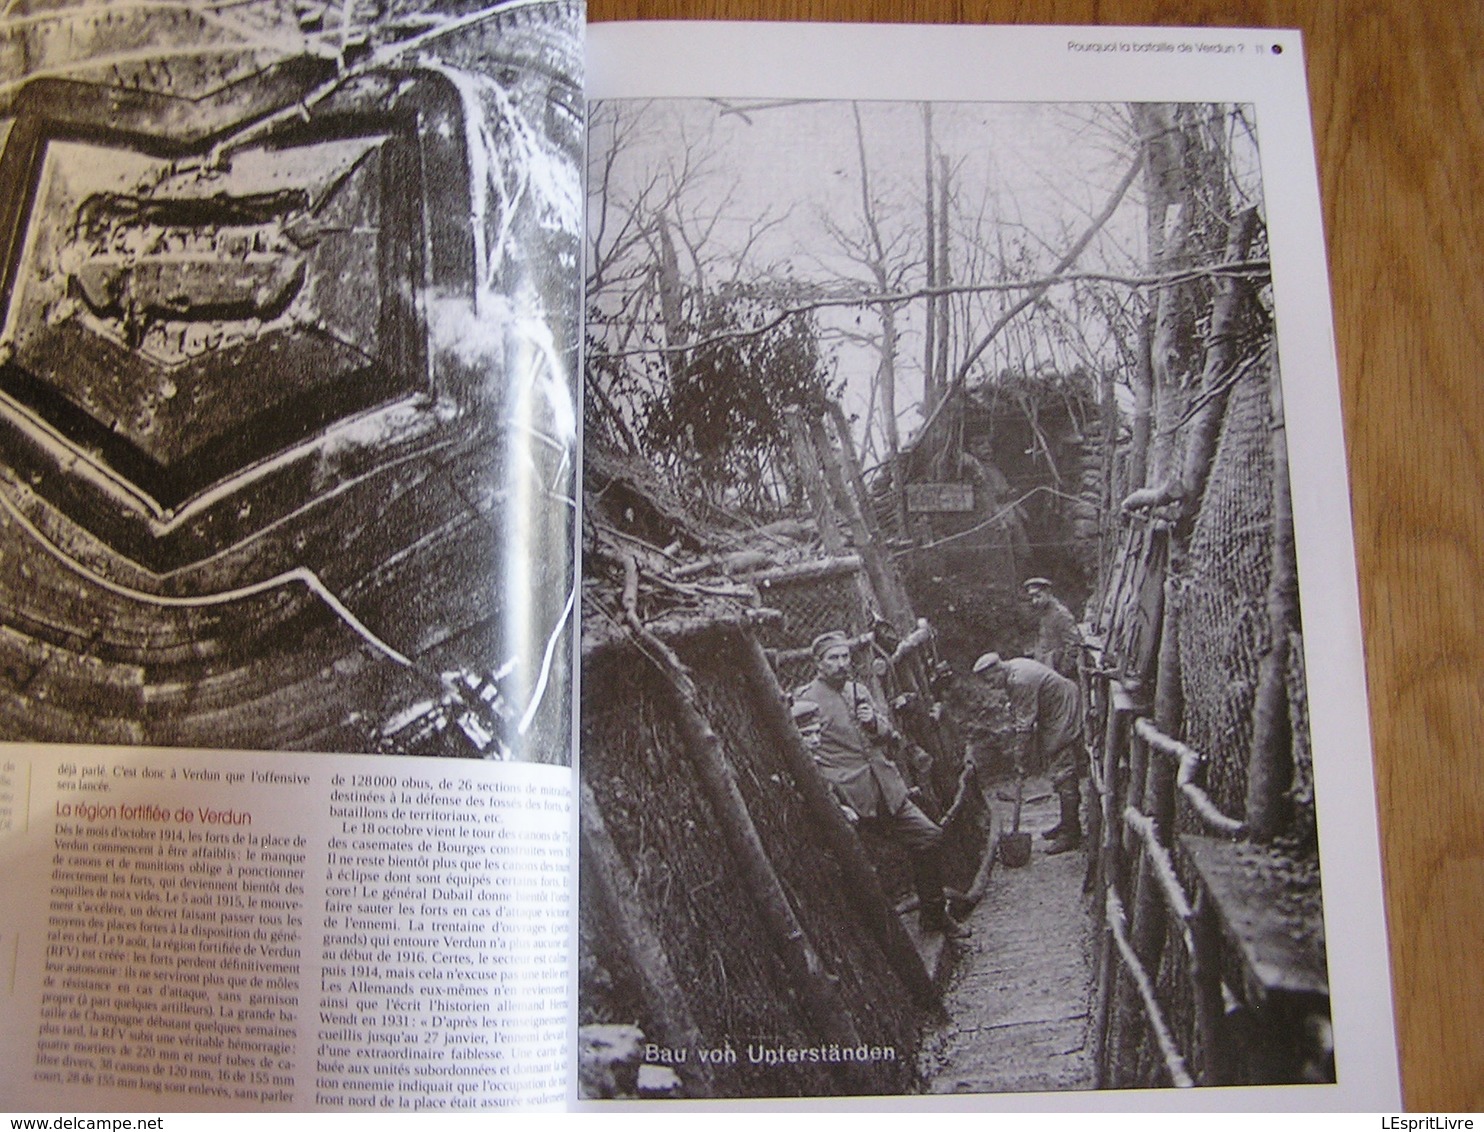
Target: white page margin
1029,64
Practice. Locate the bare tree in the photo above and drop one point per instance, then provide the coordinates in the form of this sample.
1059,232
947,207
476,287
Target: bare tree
682,350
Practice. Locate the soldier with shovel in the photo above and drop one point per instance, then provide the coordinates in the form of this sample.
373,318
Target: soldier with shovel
1046,712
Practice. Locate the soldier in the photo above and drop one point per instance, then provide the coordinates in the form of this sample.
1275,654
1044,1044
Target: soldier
852,733
1058,640
807,719
1046,712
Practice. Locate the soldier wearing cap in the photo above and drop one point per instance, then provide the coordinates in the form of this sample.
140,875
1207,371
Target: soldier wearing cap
852,732
1046,712
806,718
809,722
1058,640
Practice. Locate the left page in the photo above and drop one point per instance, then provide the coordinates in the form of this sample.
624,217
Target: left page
287,434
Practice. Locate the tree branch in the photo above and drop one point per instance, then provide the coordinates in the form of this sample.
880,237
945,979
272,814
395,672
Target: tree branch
1253,269
1065,262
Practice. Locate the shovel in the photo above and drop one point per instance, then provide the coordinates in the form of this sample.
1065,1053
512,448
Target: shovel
1015,847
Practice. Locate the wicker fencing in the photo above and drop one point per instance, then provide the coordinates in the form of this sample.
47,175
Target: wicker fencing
702,944
1212,962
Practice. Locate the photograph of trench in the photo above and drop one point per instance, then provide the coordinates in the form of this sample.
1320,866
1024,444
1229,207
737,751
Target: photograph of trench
286,419
944,719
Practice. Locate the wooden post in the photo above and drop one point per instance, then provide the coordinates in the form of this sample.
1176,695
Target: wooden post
814,485
1186,483
1115,748
890,591
818,992
1118,771
1146,934
638,945
1120,1048
884,587
852,465
1101,1007
1141,380
1107,521
1115,608
1169,713
1210,1008
930,257
815,570
1133,791
886,597
1229,304
1270,763
899,600
863,888
945,277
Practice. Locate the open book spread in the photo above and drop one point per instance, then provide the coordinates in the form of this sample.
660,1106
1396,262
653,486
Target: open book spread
543,565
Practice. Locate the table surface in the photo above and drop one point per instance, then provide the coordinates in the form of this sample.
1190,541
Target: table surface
1398,102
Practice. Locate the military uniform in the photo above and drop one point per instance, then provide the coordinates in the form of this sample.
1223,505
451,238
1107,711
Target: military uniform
861,775
1046,707
1046,713
1058,640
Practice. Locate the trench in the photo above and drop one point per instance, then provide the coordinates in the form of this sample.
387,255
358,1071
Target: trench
1017,1004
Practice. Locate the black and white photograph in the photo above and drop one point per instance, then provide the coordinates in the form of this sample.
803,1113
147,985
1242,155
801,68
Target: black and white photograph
944,720
287,374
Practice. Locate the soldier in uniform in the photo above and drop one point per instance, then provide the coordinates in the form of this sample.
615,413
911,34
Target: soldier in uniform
852,731
1058,640
1046,712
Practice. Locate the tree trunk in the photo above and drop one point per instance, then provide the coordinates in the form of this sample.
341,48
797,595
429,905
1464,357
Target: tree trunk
1187,482
818,991
879,571
1270,767
930,261
945,279
1142,382
863,889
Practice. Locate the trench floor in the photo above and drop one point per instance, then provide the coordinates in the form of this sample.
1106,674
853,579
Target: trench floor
1019,997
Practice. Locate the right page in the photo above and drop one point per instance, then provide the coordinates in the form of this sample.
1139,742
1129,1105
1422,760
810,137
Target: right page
972,699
